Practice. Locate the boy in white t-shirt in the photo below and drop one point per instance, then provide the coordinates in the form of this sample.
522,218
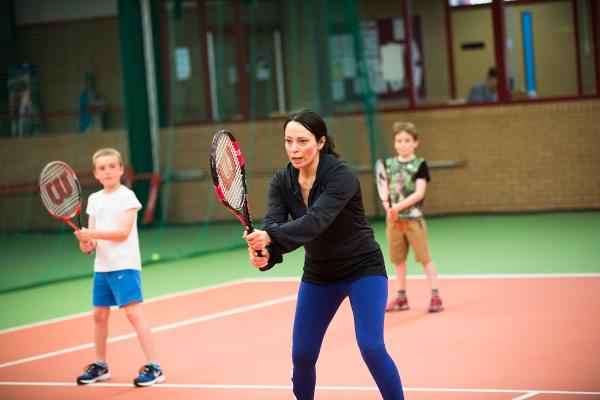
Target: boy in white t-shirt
113,233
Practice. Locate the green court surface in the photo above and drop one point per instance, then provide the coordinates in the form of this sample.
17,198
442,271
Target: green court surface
545,243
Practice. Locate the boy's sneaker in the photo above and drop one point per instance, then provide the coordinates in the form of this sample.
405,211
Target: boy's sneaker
436,304
397,304
93,373
149,375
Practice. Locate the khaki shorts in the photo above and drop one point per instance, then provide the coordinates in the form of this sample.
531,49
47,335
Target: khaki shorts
404,233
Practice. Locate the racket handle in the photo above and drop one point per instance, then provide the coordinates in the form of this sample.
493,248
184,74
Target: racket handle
249,230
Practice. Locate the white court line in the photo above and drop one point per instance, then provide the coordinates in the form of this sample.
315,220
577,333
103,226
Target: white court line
160,328
150,300
527,393
297,279
526,396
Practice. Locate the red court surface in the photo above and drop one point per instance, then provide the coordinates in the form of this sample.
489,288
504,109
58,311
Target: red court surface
498,339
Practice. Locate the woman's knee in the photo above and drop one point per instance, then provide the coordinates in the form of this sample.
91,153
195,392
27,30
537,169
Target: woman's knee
372,351
304,357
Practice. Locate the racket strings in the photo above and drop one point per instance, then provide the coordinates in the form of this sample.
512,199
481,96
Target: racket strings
382,181
59,190
229,171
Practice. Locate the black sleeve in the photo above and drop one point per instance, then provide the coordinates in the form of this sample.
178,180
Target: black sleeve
339,187
423,172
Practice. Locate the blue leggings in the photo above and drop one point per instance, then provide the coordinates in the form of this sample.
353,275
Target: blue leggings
316,306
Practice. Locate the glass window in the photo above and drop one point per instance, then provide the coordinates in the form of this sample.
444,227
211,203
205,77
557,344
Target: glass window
222,59
541,55
305,64
586,47
187,68
265,69
431,59
473,54
455,3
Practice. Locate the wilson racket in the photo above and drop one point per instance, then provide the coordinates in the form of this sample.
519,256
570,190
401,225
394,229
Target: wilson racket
229,176
61,192
381,180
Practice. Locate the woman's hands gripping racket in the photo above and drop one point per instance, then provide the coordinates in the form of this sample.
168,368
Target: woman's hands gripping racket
229,177
382,182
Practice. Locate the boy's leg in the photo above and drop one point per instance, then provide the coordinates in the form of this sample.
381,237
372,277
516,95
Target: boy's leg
151,372
435,304
139,324
101,315
417,236
102,299
401,275
398,249
400,302
431,273
127,286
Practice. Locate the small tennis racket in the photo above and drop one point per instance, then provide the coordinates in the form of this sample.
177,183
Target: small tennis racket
61,192
381,180
229,177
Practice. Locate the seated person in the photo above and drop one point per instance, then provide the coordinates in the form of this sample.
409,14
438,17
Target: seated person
485,91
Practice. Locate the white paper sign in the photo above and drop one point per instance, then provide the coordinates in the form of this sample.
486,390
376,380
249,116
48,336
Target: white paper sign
183,68
392,62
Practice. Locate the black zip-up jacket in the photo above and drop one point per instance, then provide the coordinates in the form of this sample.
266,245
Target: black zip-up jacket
338,240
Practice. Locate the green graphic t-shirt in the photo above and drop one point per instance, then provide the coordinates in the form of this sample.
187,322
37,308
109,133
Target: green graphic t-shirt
403,182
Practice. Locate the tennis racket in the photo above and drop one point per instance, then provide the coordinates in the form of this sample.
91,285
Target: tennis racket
381,180
229,177
61,192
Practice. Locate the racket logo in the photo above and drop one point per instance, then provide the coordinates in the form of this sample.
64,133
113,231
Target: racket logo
59,189
227,172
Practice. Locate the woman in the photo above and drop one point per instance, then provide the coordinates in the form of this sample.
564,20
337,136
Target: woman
322,195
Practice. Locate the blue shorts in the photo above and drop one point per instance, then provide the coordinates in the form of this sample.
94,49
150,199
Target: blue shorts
117,288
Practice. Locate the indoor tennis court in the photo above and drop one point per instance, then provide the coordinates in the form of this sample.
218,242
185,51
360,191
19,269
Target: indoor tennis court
499,101
232,341
523,329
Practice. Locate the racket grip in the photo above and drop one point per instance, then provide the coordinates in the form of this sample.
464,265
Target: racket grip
249,230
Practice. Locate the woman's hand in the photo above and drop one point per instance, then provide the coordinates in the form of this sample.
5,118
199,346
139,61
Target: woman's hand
259,261
257,240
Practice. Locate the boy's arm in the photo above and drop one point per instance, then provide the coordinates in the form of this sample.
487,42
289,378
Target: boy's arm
126,221
414,198
89,246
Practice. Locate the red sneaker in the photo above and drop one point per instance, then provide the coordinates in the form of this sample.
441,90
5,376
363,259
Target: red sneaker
397,304
436,304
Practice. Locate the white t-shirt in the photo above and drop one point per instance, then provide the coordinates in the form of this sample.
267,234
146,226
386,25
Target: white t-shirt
113,255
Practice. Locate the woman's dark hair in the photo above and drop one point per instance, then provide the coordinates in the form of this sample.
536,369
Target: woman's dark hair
315,125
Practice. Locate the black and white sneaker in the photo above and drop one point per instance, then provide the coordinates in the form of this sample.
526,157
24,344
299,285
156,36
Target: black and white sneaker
149,375
93,373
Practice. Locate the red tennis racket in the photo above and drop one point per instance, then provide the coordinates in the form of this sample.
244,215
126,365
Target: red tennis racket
381,180
61,192
229,176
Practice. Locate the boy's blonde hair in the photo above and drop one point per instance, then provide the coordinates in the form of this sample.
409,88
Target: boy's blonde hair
408,127
107,151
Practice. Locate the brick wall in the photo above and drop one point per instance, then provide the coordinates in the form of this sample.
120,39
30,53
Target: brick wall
515,158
